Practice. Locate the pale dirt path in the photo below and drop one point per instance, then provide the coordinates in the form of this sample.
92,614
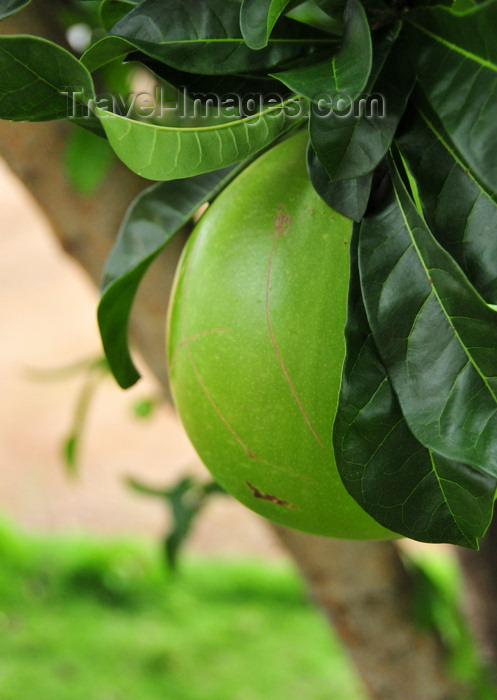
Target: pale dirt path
47,320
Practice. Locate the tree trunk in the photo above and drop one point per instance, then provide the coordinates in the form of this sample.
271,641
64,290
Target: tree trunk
367,594
362,587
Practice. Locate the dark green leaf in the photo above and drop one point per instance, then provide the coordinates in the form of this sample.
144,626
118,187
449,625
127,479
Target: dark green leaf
212,487
185,503
184,500
70,449
344,75
145,490
167,153
460,211
257,19
351,142
436,336
455,57
95,373
201,36
151,222
8,7
405,486
333,8
39,79
111,11
205,87
349,197
107,49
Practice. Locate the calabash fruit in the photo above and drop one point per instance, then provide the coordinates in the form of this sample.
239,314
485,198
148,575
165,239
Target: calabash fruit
256,345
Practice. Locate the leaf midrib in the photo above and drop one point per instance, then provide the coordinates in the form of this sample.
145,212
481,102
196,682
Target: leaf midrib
442,306
467,171
181,129
446,500
454,47
226,40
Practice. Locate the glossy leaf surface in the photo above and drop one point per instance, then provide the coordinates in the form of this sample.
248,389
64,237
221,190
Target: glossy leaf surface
257,19
111,11
405,486
344,74
351,143
35,74
201,36
436,336
203,87
461,211
167,153
333,8
349,197
151,222
455,57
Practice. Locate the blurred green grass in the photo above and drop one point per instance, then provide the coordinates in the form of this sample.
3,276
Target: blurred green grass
88,619
82,619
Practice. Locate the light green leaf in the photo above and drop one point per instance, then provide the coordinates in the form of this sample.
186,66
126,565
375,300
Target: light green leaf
39,79
168,153
309,12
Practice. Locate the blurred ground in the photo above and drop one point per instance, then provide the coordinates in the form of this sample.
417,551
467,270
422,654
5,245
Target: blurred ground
47,320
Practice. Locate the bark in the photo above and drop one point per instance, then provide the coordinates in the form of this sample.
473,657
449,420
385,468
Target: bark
362,587
367,594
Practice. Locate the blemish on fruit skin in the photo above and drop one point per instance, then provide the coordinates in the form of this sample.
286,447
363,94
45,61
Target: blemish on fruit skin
244,447
282,222
269,497
194,337
282,225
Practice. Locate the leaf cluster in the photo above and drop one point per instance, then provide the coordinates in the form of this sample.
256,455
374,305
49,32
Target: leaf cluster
399,98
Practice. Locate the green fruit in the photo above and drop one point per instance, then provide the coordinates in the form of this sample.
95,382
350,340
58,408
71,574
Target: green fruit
256,345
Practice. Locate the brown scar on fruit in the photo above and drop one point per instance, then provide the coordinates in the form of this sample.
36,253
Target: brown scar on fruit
282,221
269,497
282,226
